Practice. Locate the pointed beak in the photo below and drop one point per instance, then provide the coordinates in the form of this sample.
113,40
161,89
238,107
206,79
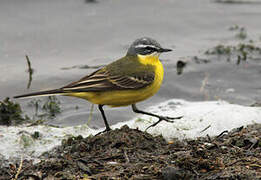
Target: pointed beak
164,50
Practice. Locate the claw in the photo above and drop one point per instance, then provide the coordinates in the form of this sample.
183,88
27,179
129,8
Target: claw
165,119
179,117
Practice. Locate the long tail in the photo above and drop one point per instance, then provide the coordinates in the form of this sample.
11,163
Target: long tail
42,93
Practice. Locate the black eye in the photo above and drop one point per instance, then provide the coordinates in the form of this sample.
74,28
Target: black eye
146,50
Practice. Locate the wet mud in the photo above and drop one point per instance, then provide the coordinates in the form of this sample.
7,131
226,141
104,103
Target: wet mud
132,154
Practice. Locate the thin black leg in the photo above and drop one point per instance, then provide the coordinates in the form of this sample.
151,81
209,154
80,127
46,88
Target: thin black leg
161,118
104,117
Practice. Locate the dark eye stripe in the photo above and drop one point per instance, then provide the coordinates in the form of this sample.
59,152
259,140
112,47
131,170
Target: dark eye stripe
146,50
151,48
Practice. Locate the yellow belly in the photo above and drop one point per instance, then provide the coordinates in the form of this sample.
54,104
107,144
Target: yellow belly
124,97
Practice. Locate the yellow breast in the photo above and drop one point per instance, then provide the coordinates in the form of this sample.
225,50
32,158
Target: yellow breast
127,97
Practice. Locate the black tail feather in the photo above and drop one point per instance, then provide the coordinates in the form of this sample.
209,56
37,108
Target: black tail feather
41,93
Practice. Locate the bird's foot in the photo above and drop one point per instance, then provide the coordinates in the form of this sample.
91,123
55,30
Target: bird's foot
164,118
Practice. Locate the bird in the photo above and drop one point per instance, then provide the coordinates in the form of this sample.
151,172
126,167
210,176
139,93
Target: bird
131,79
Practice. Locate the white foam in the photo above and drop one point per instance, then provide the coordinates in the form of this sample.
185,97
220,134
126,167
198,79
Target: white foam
15,141
197,116
214,116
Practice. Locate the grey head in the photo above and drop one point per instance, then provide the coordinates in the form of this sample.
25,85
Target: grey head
146,46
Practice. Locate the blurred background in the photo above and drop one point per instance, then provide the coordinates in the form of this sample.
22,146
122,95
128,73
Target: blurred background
216,47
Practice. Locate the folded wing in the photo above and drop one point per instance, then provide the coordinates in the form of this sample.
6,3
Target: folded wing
102,80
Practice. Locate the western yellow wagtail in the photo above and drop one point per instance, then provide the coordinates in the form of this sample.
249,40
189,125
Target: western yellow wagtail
126,81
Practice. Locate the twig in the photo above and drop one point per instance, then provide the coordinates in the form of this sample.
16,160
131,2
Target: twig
209,139
239,160
193,169
205,128
226,131
30,71
255,165
19,169
126,156
256,141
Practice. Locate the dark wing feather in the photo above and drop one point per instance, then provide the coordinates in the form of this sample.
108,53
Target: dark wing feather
102,80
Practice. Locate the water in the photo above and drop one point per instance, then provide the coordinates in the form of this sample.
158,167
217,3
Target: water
65,33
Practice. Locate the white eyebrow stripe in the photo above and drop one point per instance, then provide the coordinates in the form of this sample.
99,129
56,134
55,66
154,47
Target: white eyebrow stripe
143,46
